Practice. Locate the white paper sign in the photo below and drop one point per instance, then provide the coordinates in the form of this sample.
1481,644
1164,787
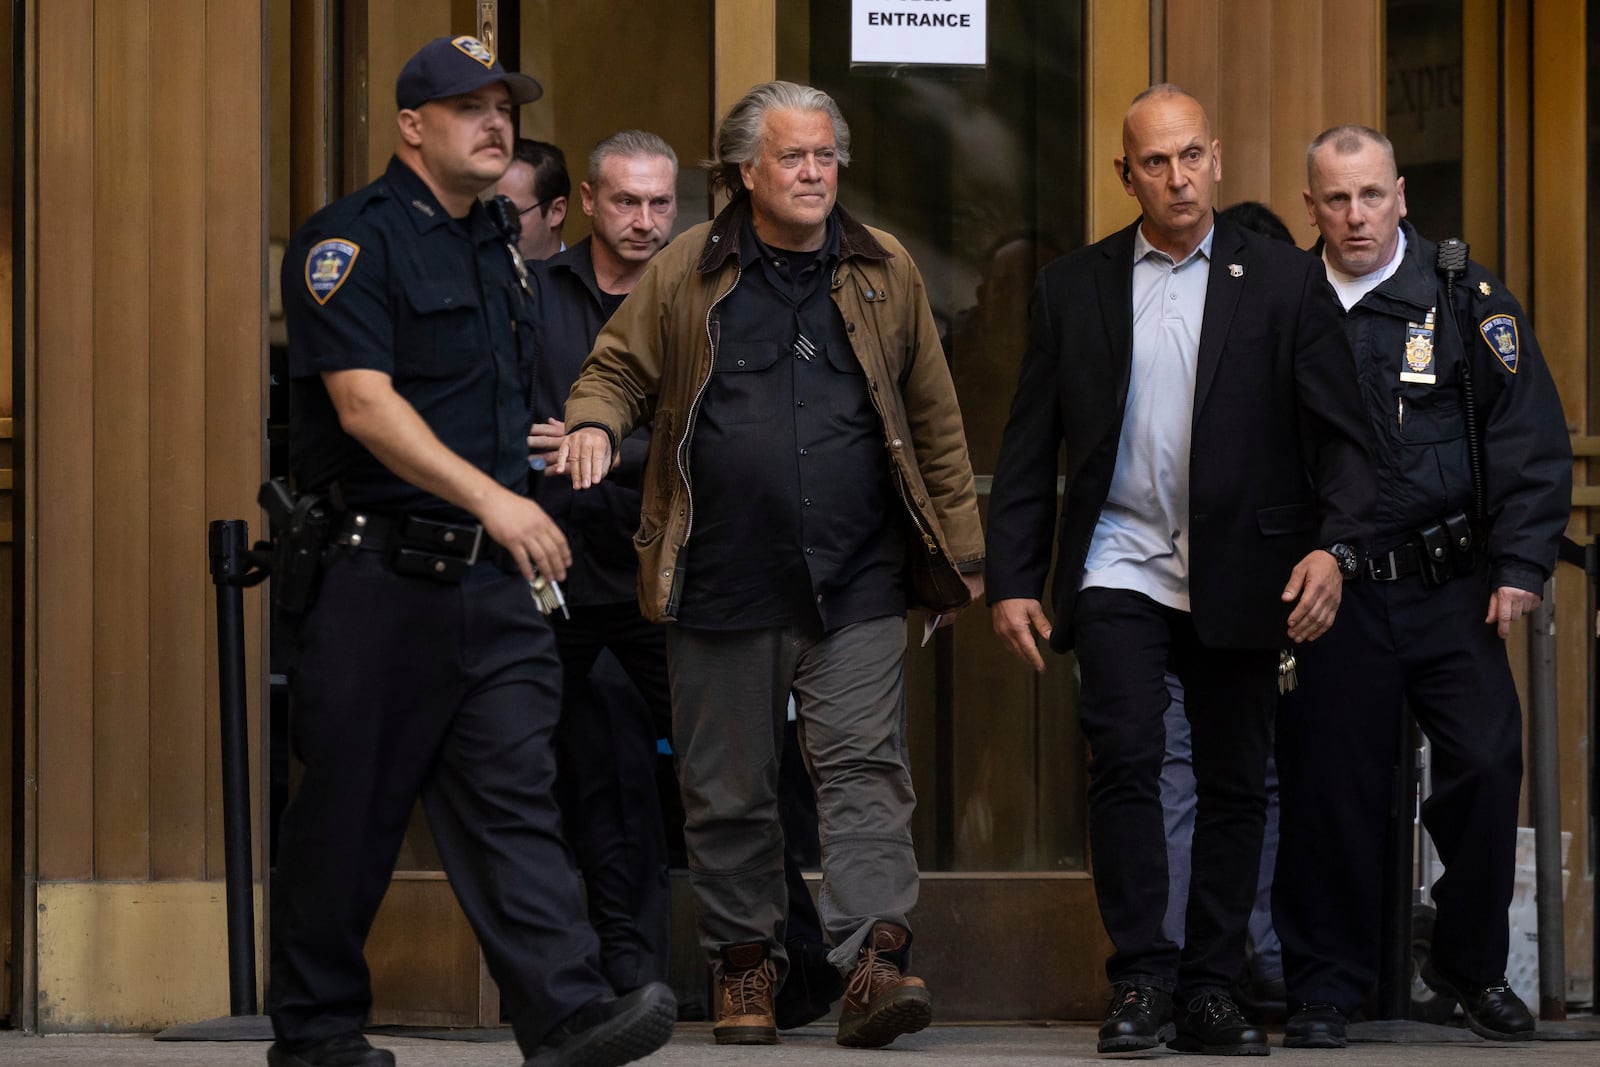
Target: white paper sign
946,33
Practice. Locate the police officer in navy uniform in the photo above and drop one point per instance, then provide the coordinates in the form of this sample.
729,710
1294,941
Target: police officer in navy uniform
1427,619
424,667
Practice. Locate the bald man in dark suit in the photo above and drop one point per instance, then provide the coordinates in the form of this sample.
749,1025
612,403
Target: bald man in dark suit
1218,486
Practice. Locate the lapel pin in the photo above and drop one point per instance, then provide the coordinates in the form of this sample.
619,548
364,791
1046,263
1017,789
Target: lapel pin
1235,270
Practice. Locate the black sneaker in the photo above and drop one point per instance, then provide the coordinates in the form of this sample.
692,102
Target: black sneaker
1139,1017
608,1033
340,1050
1211,1023
1493,1011
1315,1026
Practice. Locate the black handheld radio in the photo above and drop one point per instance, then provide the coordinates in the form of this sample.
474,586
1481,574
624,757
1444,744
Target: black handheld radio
1451,263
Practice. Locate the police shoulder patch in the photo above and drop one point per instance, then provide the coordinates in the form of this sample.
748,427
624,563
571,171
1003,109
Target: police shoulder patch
475,48
1500,331
328,265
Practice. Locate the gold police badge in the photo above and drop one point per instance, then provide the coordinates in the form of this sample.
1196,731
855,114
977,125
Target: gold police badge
1419,366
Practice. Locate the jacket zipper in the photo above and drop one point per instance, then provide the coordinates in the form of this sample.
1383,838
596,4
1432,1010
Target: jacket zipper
683,446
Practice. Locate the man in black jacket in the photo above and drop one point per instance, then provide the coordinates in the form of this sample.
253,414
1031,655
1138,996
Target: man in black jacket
1416,627
1216,482
606,746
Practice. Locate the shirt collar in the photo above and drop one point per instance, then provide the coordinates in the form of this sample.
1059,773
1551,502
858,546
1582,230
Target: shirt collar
1375,278
1142,246
424,210
752,247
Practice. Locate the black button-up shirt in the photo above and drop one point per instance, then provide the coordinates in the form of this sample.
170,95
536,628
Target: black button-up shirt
386,280
795,516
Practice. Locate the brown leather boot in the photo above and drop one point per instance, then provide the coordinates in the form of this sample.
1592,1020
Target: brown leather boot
880,1003
744,997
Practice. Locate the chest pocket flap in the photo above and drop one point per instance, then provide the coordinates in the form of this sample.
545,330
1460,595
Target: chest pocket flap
444,328
739,392
1431,420
427,298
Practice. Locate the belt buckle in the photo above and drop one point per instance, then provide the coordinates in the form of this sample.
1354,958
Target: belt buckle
1377,574
477,543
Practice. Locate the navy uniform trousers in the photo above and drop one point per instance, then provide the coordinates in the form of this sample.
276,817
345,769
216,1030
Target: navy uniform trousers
407,688
1338,740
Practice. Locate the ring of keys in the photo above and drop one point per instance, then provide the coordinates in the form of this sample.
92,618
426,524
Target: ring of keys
1287,679
547,596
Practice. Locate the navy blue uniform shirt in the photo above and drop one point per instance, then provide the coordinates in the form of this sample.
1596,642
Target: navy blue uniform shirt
386,280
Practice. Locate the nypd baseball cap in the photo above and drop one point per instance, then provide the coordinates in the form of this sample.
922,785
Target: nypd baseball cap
451,66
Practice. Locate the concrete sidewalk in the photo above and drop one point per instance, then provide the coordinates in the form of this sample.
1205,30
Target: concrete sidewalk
1010,1045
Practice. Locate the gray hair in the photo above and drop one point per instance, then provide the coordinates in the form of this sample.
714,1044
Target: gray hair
739,135
1347,140
629,144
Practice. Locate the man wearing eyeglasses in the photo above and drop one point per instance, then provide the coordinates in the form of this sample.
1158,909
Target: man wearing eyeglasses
538,185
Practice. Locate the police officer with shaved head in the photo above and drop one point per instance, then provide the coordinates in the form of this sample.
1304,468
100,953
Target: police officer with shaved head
1474,483
423,667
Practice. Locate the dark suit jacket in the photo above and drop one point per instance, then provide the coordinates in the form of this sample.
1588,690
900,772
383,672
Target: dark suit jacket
1279,462
600,521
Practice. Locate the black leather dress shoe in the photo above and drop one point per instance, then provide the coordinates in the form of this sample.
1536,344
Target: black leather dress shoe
607,1033
1140,1017
1210,1023
1315,1026
340,1050
1493,1011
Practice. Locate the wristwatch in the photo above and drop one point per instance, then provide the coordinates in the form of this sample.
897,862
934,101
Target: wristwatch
1345,556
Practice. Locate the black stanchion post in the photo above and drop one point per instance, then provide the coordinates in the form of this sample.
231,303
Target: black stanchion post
230,573
229,544
1394,964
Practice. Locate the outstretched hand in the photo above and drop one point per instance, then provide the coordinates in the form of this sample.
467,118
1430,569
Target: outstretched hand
585,453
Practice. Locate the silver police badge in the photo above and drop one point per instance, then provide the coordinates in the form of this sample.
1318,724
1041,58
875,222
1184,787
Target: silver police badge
1501,333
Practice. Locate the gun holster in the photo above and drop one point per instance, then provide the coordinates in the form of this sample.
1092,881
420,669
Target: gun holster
300,525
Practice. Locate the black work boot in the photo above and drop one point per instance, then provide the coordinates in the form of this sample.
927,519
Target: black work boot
1211,1023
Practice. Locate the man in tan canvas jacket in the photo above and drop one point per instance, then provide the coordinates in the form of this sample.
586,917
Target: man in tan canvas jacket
807,482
